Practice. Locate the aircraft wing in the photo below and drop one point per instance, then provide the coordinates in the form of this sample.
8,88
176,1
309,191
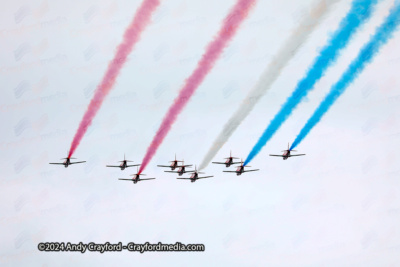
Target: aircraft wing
219,163
204,177
125,179
146,179
297,155
57,163
184,178
163,166
276,155
235,162
251,170
171,171
186,165
133,165
189,171
113,166
77,162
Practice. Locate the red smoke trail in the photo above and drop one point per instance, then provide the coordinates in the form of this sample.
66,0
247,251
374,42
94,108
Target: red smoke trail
131,37
204,66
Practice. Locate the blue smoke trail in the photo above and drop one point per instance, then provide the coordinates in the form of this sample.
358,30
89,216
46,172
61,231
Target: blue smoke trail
359,12
381,36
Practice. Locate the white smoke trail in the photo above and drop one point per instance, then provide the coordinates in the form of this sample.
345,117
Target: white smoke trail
273,70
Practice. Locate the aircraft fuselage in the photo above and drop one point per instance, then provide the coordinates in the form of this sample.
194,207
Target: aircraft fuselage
286,155
228,162
181,171
66,163
136,178
174,165
239,170
123,165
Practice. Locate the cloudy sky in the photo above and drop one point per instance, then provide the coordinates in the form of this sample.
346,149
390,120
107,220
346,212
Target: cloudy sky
337,206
